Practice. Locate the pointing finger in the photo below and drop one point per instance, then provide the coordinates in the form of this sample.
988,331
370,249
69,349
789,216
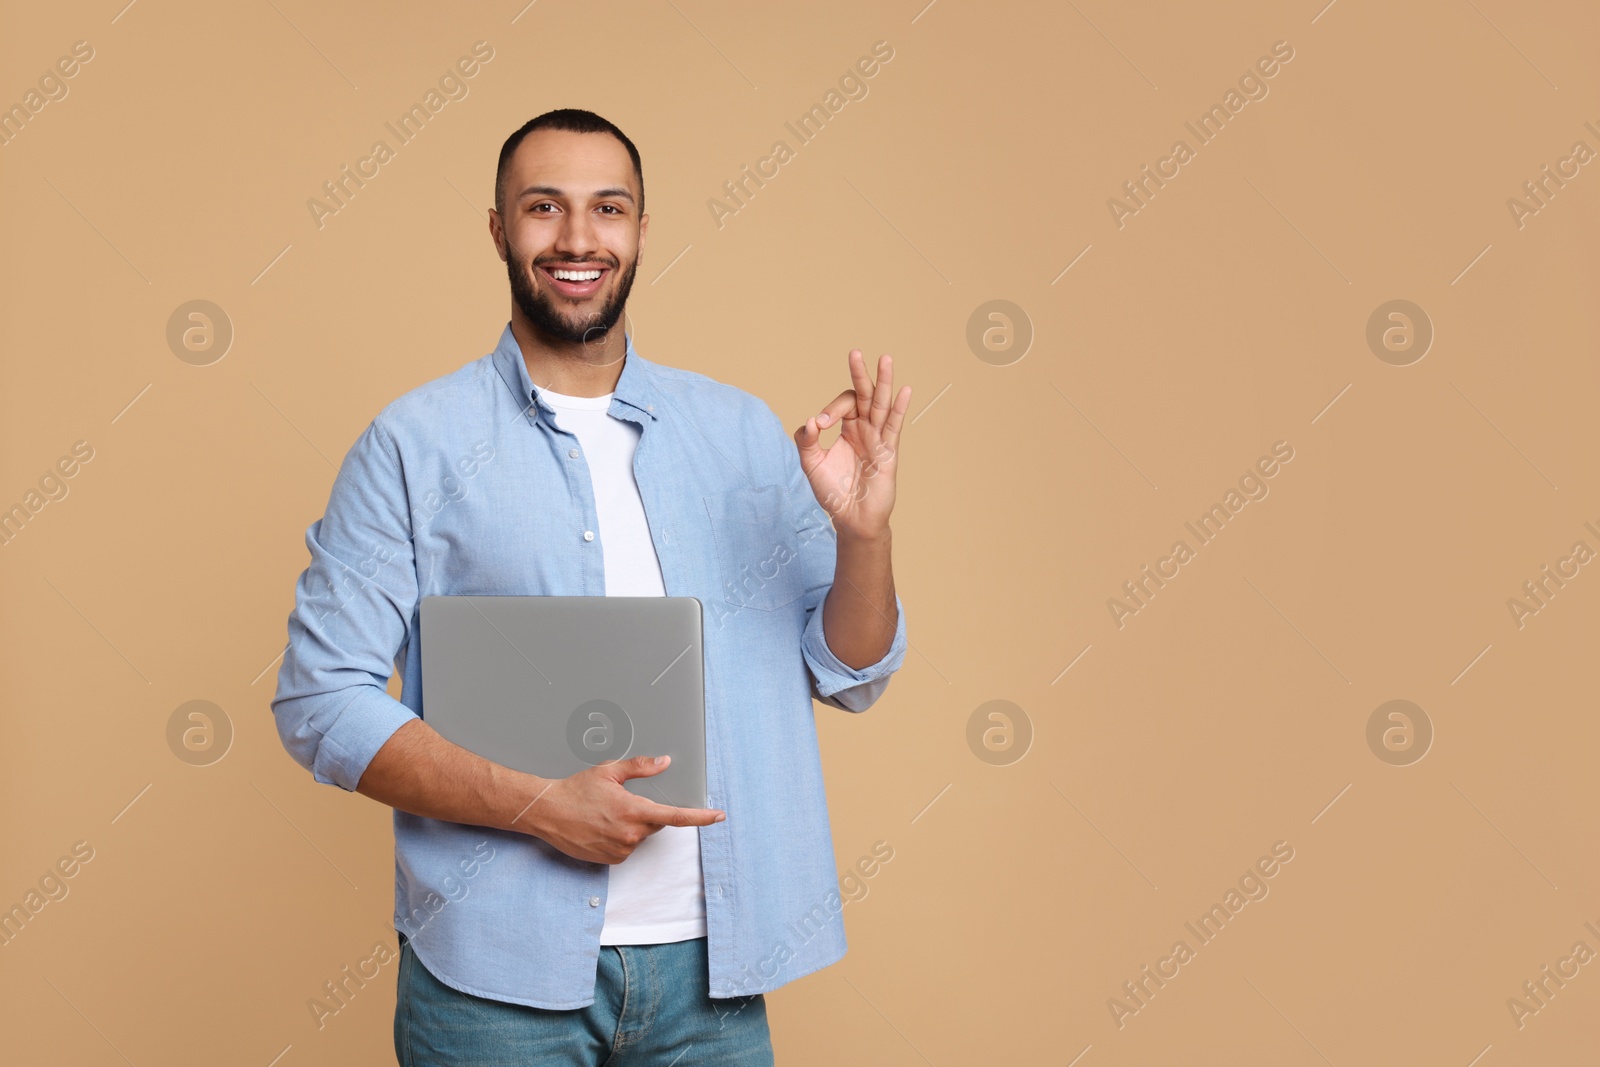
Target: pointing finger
844,406
665,815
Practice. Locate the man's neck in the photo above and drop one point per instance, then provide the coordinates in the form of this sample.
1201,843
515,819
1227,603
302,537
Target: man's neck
571,369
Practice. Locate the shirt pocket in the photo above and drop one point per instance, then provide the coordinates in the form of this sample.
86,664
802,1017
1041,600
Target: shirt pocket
758,553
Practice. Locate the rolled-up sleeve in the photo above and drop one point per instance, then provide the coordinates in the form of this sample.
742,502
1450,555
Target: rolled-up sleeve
353,608
840,685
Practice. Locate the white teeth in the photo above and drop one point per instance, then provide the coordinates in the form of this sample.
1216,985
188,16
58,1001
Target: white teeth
575,275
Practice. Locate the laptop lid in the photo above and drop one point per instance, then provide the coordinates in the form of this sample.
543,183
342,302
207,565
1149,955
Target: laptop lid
550,685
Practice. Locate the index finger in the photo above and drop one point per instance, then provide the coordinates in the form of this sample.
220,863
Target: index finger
666,815
672,815
842,406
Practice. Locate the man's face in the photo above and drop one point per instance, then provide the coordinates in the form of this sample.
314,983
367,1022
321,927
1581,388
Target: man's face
571,204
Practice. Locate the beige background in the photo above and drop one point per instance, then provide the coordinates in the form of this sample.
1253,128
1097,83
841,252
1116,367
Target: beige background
1228,314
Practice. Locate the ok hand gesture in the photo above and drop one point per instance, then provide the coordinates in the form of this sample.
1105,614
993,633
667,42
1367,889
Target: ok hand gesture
854,477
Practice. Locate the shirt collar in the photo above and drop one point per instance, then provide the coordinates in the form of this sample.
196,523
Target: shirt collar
635,385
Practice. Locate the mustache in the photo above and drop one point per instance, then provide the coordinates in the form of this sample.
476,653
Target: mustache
608,263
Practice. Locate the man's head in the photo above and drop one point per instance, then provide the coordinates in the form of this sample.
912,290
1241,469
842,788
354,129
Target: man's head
569,196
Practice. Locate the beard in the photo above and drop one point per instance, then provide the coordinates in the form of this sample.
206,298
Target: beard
541,310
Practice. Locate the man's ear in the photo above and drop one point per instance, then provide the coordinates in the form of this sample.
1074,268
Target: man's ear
644,226
497,233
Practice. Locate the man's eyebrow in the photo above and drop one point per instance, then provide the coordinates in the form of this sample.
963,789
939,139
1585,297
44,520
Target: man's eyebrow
599,194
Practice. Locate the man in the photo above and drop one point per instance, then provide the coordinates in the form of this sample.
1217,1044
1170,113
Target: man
569,920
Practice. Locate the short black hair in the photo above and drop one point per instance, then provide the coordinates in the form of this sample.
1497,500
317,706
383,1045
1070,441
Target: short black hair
572,120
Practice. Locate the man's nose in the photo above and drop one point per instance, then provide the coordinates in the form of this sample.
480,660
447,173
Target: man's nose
578,237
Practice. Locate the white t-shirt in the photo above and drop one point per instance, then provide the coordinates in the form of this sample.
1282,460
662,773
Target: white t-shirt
658,893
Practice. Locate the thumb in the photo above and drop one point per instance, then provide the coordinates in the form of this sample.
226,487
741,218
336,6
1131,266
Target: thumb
808,440
639,767
809,436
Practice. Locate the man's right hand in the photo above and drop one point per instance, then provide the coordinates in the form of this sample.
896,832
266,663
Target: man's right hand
589,816
592,816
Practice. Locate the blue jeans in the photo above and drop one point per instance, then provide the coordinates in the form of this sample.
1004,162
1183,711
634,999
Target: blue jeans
650,1008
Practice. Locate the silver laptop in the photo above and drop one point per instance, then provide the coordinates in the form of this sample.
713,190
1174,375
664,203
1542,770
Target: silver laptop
549,685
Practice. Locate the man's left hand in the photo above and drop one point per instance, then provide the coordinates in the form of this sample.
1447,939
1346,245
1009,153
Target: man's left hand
854,477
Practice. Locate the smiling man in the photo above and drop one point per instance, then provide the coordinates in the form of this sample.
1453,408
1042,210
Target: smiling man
569,920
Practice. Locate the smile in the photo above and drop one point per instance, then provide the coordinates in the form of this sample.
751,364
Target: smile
575,282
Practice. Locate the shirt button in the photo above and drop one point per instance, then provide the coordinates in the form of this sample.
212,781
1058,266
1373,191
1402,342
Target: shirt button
649,407
588,535
594,902
572,453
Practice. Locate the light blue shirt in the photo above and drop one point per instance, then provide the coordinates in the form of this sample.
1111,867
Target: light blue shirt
466,485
